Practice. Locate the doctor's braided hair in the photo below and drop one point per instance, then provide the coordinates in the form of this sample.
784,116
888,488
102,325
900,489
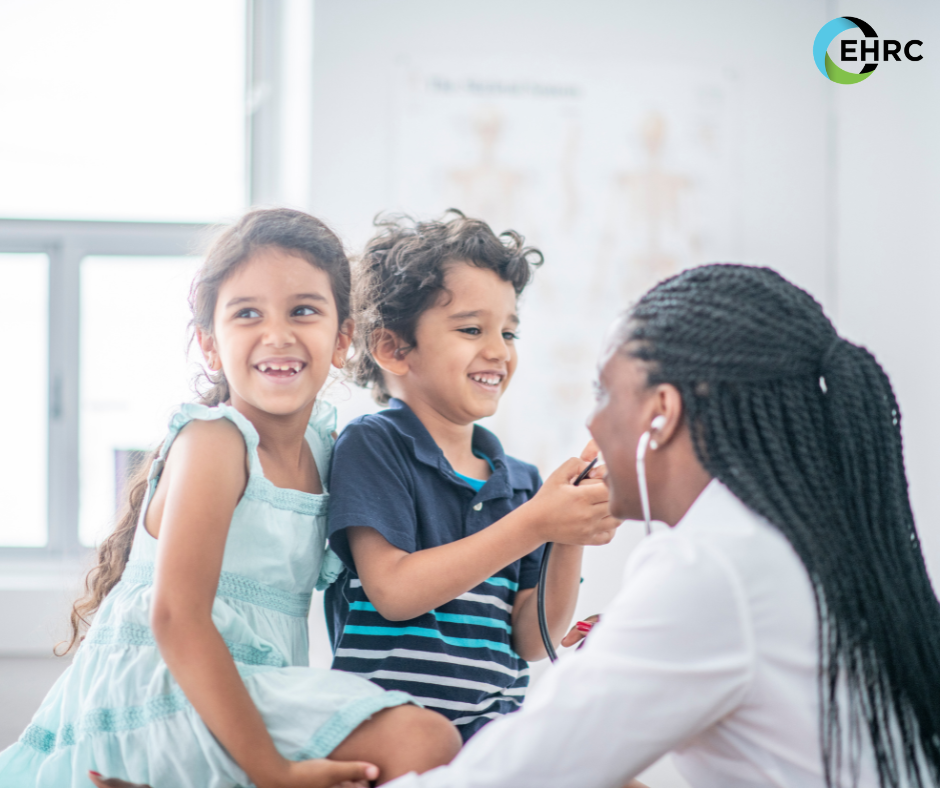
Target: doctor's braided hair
804,428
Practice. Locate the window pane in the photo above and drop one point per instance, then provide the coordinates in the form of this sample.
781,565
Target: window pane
135,370
120,110
24,400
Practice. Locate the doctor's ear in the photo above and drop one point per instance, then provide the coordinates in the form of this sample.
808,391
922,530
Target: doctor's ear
668,418
389,351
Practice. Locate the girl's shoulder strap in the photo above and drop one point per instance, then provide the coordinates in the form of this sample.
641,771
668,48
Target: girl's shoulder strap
320,430
323,419
192,411
186,413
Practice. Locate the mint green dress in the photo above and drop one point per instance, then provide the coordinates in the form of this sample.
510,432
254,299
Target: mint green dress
117,708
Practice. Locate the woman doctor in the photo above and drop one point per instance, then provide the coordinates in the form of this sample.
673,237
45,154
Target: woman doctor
783,631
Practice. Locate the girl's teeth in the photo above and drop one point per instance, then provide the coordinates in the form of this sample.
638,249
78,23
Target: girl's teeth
279,368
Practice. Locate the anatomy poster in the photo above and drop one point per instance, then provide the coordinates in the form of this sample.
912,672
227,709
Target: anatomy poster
620,178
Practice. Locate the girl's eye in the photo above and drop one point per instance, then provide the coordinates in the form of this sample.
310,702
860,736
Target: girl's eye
473,331
248,312
510,336
304,311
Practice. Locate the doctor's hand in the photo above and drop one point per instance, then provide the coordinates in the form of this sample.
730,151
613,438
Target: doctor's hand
578,633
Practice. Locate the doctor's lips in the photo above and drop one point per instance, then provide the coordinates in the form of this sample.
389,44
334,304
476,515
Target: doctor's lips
280,367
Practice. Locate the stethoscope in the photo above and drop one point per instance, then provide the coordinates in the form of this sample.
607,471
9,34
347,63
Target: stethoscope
646,442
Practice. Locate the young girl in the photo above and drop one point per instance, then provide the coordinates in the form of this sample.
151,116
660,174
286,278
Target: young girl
193,670
440,531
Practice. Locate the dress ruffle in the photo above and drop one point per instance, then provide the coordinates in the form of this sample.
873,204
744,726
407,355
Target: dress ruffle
118,710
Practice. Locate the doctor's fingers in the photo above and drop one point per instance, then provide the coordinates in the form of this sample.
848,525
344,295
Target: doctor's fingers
590,451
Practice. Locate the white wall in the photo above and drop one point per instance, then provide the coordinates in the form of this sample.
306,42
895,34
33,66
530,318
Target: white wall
839,186
889,236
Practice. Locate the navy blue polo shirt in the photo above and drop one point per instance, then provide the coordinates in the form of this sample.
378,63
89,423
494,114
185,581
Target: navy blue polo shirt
390,475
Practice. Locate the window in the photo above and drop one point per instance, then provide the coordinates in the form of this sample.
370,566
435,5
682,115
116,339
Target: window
134,372
125,132
24,322
118,110
80,296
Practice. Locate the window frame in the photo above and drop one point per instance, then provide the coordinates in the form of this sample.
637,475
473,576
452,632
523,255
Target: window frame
66,243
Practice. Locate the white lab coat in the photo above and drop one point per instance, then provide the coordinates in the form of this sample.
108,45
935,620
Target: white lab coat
709,651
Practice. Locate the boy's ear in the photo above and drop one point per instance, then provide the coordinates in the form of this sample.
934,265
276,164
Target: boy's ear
343,341
209,351
389,352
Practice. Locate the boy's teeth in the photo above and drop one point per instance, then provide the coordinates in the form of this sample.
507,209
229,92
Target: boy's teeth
489,380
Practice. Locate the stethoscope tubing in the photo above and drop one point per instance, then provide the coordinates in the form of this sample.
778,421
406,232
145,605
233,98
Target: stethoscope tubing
543,580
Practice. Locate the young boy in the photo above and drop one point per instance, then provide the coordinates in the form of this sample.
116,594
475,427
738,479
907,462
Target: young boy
440,531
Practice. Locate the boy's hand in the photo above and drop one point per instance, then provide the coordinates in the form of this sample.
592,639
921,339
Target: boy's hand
578,515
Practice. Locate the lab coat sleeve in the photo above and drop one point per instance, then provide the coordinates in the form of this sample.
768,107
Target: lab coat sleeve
672,655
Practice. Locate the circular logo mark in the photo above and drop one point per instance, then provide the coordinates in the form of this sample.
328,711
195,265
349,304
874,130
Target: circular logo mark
826,64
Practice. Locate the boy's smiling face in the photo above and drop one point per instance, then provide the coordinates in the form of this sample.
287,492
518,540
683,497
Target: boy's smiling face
465,351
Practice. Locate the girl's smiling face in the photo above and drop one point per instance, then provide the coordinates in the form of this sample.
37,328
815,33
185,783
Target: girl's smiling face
465,347
276,333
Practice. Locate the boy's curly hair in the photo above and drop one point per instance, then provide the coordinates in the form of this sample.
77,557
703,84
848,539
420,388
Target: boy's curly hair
400,275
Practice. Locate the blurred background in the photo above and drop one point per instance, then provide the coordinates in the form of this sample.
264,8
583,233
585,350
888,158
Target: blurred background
627,140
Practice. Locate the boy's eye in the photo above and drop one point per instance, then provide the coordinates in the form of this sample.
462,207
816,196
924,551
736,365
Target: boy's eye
472,330
510,336
304,311
247,312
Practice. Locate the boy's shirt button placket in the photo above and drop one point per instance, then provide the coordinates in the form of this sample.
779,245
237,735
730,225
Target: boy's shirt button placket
478,506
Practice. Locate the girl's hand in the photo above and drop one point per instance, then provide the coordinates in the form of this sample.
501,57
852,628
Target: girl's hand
576,635
578,515
322,773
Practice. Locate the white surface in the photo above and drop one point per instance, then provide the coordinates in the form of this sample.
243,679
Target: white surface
709,650
688,62
878,281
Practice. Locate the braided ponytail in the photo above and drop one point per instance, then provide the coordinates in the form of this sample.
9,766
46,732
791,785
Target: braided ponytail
803,427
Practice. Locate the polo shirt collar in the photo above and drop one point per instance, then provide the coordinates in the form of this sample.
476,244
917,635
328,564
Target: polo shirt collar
506,476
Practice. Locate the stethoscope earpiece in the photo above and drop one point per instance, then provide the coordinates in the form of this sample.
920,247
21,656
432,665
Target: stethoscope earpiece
644,443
